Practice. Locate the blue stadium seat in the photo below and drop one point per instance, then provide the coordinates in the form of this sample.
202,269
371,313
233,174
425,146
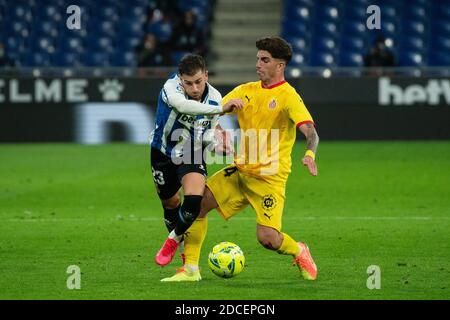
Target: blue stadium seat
411,59
296,28
415,43
388,28
37,59
351,59
354,28
441,44
15,45
43,44
161,29
123,59
177,55
298,44
102,44
127,43
299,60
439,59
298,13
323,59
328,29
414,12
352,43
130,28
356,13
324,44
72,44
96,59
328,13
67,60
45,29
441,28
414,27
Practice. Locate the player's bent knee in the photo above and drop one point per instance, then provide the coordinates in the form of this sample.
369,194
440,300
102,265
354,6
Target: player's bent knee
171,203
208,203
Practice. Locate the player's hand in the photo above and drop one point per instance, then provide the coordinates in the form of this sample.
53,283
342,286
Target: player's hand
233,104
311,164
224,145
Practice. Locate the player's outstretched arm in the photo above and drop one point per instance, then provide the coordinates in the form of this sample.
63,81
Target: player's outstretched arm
233,104
312,141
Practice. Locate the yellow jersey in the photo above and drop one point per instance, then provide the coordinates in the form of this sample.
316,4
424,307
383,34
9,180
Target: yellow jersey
268,125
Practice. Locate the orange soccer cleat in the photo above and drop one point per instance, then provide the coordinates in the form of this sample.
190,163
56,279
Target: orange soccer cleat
166,253
305,263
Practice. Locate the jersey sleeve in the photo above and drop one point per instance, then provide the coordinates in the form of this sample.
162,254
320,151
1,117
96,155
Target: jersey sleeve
173,95
297,110
236,93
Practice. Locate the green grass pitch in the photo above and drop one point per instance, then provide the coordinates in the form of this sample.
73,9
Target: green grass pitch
373,203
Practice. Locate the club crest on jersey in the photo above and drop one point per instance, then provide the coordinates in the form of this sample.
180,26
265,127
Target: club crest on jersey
269,202
273,104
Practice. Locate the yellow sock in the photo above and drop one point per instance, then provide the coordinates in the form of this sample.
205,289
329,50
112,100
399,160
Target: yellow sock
194,239
288,246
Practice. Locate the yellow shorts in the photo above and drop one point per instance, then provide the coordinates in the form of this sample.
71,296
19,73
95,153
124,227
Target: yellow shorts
234,191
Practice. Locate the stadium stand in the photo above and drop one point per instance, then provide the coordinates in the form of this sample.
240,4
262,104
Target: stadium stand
323,33
331,33
34,32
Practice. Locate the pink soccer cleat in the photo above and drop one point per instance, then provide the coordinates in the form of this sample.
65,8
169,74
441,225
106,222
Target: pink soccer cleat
306,263
166,253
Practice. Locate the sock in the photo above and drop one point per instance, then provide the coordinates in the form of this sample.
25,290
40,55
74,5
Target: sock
174,236
191,267
171,217
188,213
194,239
288,246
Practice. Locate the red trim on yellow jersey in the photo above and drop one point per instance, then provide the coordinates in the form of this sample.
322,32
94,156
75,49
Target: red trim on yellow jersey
303,122
274,85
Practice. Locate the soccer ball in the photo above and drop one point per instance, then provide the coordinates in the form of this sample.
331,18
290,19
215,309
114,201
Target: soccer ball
226,260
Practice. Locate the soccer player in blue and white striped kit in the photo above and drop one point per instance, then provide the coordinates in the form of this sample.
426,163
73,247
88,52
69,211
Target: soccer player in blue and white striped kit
188,106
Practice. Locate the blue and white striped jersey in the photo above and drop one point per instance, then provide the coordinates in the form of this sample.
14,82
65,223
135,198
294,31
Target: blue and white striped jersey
180,122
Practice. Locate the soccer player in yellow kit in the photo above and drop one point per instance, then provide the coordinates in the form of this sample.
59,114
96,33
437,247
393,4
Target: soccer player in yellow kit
272,111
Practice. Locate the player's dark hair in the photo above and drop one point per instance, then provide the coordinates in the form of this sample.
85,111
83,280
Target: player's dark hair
190,64
276,46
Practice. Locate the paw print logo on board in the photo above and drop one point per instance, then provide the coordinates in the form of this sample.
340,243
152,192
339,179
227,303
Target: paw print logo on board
111,90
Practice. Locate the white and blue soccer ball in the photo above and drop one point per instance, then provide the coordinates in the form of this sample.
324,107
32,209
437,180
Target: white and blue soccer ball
226,259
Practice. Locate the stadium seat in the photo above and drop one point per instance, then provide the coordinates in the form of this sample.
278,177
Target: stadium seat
299,60
177,55
441,28
356,13
325,44
298,44
93,59
351,59
123,59
323,60
415,43
414,27
410,58
328,29
328,13
161,29
439,59
354,28
353,44
296,28
298,14
67,60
